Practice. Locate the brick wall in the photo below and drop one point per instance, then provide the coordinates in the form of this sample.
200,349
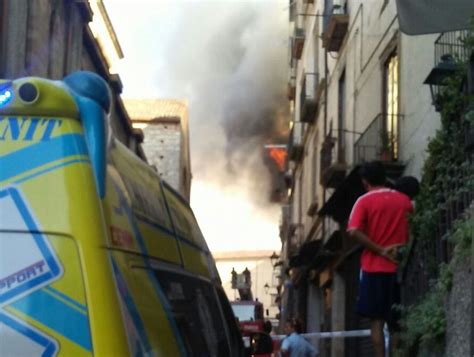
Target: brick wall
162,147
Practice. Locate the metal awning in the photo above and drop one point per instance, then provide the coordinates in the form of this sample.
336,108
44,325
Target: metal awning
305,254
418,17
339,205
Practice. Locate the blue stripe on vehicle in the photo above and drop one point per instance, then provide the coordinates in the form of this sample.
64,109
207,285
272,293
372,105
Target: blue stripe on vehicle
42,153
57,316
131,307
66,298
155,225
158,289
52,168
40,240
49,345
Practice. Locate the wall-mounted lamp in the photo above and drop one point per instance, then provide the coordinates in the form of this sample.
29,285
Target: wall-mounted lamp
266,287
273,258
437,78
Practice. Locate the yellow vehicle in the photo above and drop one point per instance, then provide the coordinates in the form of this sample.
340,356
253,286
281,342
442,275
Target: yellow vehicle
97,255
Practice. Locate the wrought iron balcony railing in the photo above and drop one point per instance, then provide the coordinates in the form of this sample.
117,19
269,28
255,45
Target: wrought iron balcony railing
380,141
308,104
332,161
291,92
298,42
451,45
449,50
292,10
285,222
335,24
295,142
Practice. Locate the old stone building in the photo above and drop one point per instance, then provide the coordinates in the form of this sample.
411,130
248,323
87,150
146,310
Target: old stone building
52,38
164,123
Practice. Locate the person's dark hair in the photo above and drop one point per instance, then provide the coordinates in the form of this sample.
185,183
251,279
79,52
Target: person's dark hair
408,185
296,324
373,172
267,326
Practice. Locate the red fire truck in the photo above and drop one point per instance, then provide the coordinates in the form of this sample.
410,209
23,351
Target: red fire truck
250,315
257,341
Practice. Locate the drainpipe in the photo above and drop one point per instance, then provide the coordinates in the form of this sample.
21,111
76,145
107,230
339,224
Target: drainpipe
326,74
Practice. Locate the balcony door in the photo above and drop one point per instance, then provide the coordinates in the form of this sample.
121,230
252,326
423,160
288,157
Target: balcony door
390,132
341,150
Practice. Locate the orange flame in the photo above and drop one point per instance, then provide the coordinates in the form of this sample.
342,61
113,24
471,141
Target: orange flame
278,155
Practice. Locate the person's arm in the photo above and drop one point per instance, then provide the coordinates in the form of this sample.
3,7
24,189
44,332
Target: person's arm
389,252
284,348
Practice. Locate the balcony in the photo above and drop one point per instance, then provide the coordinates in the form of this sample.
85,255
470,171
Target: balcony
295,142
452,44
294,239
291,91
285,222
380,141
308,104
297,44
292,12
449,51
333,166
335,25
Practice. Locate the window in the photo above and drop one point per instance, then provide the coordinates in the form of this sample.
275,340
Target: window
340,117
300,199
390,104
315,180
236,345
195,309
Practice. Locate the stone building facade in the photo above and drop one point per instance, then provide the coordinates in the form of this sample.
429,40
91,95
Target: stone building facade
356,93
165,126
52,38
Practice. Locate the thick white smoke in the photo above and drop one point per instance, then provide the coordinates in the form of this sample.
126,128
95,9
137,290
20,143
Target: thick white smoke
228,59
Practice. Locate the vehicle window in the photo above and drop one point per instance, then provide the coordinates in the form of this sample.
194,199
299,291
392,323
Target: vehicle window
235,337
244,312
195,309
183,218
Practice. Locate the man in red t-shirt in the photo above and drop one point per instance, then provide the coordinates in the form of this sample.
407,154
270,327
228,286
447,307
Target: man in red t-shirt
379,222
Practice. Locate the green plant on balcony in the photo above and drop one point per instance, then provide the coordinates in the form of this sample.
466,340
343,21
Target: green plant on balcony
386,145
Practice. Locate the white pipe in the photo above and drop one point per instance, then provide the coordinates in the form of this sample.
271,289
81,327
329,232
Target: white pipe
331,334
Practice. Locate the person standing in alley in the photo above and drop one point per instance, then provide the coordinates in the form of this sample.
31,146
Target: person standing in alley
379,222
295,345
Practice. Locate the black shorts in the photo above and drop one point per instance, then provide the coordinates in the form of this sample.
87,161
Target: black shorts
378,293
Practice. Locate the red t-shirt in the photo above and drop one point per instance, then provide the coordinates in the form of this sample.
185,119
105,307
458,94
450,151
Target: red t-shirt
382,215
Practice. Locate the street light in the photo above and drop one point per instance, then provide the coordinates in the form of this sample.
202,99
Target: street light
266,287
273,258
437,78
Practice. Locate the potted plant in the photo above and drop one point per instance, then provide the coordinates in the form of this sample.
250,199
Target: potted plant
385,153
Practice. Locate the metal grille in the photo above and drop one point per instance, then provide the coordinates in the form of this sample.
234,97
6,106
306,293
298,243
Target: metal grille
450,46
380,140
426,256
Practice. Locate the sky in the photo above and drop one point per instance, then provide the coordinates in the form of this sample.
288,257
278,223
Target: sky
227,58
